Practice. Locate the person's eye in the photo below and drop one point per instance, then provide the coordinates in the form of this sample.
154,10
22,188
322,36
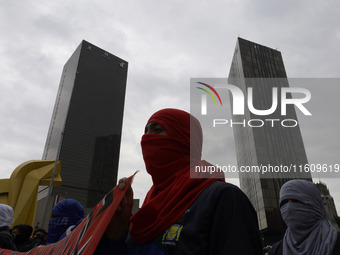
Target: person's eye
158,130
284,202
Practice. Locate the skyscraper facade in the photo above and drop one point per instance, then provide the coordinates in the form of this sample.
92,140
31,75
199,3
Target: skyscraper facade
329,208
86,124
262,69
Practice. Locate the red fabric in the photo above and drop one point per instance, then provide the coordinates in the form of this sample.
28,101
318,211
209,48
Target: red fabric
167,160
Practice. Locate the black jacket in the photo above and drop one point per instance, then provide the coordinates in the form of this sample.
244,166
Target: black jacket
220,221
6,239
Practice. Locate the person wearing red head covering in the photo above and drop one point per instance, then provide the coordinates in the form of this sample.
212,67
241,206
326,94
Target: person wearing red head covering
183,215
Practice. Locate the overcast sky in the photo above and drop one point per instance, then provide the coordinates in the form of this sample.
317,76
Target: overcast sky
166,44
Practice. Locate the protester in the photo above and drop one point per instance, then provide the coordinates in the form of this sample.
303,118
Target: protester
6,220
181,215
307,232
22,234
66,214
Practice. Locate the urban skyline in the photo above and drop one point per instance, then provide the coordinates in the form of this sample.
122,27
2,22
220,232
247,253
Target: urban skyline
163,53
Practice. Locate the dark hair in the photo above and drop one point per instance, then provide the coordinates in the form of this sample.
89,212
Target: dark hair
25,230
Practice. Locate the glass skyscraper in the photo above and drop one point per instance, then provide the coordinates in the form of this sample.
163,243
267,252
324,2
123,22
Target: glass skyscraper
86,124
262,68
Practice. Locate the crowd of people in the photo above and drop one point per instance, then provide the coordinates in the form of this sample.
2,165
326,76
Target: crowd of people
185,215
21,237
65,216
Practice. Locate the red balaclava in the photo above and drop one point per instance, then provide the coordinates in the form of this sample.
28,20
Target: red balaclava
167,160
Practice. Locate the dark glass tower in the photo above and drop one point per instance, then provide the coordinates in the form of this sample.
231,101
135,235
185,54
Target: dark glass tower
87,124
262,68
